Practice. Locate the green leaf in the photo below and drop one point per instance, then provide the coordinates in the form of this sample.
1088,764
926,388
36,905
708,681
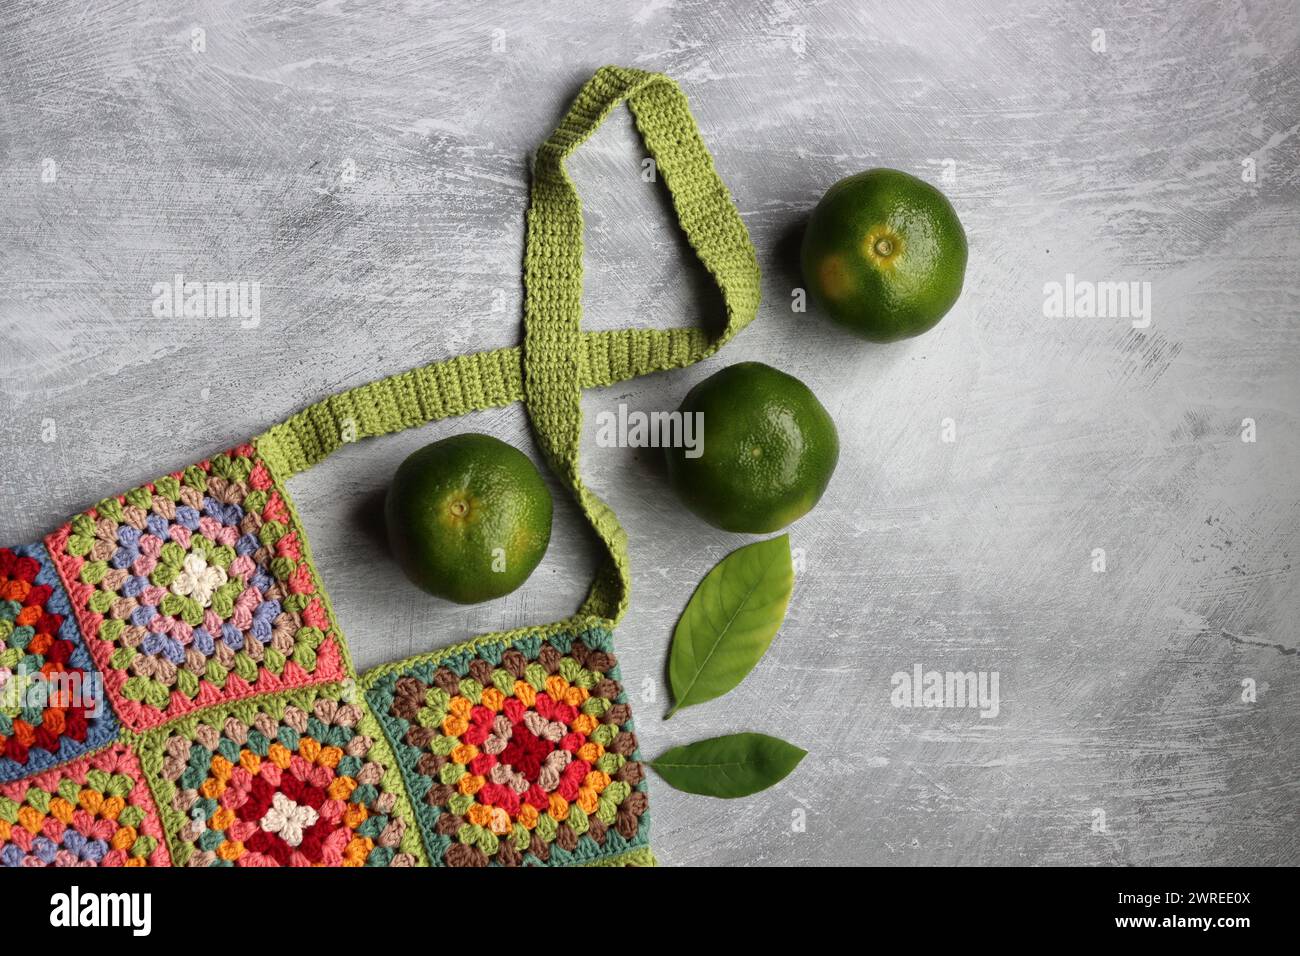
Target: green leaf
270,533
92,572
187,683
101,601
140,498
109,508
730,621
173,555
167,487
727,767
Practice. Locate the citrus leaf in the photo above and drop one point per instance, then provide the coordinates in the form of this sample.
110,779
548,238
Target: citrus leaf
727,767
729,621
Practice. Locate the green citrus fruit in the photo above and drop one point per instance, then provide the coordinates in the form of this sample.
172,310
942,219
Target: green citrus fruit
769,449
884,255
469,518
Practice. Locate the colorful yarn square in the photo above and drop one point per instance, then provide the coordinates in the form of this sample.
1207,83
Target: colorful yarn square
52,706
517,753
95,811
196,590
300,779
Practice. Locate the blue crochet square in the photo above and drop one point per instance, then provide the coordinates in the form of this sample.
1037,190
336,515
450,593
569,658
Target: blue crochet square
52,702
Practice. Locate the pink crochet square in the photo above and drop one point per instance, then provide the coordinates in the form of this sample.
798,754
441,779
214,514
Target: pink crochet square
197,590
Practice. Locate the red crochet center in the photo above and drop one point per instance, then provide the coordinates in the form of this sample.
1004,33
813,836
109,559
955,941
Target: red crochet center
525,753
18,583
300,792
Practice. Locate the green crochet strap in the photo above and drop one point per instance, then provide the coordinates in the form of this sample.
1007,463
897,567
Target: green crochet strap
447,388
438,390
559,360
556,351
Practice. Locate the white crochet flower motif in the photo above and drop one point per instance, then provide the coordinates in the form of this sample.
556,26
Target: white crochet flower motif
198,580
287,819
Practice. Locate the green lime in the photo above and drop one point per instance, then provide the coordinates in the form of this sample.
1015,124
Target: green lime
769,449
884,255
469,518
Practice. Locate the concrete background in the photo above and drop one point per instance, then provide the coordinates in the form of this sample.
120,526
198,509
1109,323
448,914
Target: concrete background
1121,691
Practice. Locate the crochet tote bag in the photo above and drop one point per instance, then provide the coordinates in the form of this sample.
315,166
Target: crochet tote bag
175,688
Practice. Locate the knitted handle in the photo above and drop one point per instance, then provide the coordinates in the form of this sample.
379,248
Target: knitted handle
558,360
556,352
447,388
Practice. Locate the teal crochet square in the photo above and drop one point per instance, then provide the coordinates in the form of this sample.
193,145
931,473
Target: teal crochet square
298,778
518,750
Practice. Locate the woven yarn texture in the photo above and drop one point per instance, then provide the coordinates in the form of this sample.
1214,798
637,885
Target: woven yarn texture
219,720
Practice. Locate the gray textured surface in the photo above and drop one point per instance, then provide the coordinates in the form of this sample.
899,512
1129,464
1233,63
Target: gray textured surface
1120,691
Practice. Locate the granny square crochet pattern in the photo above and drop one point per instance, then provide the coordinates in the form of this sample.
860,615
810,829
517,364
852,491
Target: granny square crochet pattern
51,697
193,591
242,722
93,812
297,779
219,720
518,752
